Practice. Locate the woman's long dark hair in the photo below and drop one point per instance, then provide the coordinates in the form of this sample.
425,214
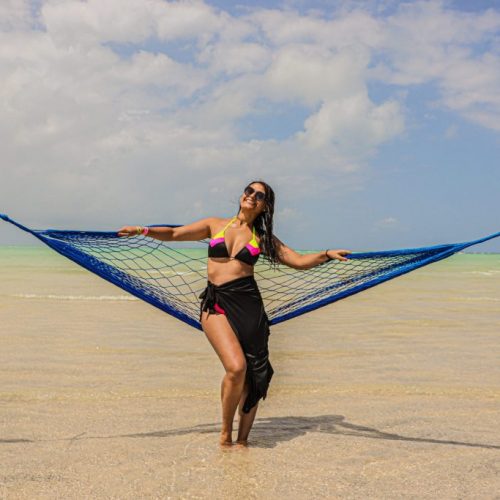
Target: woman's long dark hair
263,224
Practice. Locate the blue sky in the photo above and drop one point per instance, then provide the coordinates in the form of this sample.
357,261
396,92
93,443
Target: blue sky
377,123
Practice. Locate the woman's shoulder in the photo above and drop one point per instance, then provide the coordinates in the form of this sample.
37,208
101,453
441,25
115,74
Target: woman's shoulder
218,223
222,219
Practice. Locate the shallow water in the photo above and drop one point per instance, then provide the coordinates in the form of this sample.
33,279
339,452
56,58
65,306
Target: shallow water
392,392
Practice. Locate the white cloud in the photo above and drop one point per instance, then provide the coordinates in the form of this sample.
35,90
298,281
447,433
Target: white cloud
349,28
425,43
311,74
15,15
343,121
110,135
234,58
128,21
386,223
188,20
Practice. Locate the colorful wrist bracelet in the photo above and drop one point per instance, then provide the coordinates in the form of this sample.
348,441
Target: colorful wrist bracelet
145,231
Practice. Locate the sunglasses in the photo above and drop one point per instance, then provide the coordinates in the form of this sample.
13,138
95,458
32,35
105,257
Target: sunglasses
259,195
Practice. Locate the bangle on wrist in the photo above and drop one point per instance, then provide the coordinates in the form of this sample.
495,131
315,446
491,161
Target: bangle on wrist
328,258
145,231
138,230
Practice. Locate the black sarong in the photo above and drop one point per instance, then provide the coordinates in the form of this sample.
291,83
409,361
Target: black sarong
242,304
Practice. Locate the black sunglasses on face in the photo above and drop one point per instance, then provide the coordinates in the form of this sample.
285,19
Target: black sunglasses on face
259,195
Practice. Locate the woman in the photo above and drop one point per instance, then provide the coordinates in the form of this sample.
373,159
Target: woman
232,313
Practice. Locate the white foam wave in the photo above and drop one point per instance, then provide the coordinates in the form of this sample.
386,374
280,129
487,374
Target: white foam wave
489,272
73,297
480,299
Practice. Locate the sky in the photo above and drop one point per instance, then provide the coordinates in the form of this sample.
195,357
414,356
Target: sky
377,123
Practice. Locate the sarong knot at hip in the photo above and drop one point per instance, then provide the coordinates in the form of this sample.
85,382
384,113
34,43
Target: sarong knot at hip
208,297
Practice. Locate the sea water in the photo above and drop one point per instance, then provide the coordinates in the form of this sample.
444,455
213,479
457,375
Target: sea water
391,392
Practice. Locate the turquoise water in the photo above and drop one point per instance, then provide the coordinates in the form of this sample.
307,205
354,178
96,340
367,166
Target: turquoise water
23,254
28,272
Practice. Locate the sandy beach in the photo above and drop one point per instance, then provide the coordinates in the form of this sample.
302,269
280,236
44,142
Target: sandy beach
152,141
391,393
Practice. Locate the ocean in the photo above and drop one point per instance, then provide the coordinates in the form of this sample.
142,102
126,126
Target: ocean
393,391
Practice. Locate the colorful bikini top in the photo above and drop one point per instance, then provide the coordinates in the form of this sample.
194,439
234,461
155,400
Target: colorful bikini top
248,254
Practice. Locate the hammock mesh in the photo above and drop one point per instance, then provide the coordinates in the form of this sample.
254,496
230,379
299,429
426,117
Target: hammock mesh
171,277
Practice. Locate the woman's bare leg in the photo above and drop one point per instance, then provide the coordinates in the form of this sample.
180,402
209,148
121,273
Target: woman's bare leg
245,419
226,345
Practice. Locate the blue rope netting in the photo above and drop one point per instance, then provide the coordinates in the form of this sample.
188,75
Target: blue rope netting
171,277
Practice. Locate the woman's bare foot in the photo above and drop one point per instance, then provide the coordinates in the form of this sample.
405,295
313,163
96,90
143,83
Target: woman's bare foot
226,439
241,443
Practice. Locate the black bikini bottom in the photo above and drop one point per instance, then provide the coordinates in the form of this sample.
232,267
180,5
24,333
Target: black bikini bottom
241,302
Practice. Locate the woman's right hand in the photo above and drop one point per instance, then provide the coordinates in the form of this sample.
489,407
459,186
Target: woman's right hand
128,231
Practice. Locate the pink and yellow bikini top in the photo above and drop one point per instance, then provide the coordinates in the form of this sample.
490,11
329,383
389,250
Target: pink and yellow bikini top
248,254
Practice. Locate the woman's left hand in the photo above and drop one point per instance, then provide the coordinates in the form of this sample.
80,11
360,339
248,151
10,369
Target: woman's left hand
338,254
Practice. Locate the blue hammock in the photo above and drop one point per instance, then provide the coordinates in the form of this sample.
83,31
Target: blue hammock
171,277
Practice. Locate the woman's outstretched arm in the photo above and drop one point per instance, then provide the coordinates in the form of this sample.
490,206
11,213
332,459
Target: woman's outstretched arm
198,230
293,259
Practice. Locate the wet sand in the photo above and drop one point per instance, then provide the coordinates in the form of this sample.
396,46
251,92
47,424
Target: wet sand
392,393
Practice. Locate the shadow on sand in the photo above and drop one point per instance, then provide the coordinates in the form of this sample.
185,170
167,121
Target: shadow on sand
269,432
